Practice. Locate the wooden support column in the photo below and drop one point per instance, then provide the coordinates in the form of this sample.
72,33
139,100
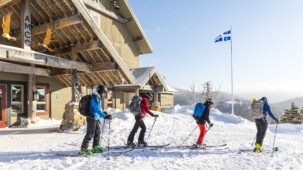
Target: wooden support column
32,97
74,78
156,103
156,97
25,26
137,92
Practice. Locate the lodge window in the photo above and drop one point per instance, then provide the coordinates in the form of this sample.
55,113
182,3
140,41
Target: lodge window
17,100
42,99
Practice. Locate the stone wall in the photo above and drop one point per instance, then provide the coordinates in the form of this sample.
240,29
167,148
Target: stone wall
72,119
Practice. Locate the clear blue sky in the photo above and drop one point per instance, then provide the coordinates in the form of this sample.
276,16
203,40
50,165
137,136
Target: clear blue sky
267,44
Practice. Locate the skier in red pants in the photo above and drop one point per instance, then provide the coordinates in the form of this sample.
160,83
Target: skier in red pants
201,123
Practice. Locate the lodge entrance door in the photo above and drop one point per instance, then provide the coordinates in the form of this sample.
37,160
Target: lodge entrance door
2,106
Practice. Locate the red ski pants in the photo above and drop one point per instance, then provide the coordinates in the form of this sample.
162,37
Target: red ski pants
202,134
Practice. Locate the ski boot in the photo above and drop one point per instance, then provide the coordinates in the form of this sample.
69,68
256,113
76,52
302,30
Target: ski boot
257,148
97,149
130,145
198,146
85,151
142,144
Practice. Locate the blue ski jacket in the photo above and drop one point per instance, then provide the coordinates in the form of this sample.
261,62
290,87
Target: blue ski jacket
95,106
266,110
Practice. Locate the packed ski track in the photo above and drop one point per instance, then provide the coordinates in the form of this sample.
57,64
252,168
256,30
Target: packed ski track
38,151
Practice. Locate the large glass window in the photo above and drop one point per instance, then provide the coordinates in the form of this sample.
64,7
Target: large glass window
41,98
17,92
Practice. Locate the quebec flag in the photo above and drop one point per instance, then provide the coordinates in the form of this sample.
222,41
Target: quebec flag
226,36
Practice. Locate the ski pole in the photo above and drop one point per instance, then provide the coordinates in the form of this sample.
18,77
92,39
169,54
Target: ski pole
252,143
208,129
273,145
188,136
102,131
151,129
108,139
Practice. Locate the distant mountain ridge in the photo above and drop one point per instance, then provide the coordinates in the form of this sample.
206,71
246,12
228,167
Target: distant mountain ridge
222,98
287,103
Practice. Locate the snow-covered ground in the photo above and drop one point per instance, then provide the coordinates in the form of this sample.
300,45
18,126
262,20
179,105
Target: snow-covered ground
38,151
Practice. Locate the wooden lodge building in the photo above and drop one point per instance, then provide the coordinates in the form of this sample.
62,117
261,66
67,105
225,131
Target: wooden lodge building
52,50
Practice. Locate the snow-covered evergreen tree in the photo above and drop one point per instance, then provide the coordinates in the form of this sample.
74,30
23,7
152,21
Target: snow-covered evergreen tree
292,115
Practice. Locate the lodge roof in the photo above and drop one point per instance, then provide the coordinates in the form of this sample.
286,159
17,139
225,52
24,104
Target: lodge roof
75,37
148,78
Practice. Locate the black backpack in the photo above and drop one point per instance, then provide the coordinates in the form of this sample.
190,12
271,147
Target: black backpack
84,105
134,106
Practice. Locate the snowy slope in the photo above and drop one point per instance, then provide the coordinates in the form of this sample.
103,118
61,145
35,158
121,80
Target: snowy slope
38,151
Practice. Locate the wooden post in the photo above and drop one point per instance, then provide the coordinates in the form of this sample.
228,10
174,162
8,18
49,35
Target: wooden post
137,92
74,78
156,97
32,100
25,26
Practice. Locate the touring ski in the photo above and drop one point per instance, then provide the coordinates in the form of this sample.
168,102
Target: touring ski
205,146
112,153
275,149
150,147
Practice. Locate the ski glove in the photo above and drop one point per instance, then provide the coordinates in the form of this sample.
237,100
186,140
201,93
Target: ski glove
155,115
108,117
278,121
211,125
105,113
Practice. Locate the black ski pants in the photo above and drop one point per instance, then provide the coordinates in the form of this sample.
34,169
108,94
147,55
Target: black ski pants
138,124
93,131
261,125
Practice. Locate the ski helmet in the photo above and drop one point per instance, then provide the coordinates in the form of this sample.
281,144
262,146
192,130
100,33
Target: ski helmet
149,96
254,100
209,101
101,89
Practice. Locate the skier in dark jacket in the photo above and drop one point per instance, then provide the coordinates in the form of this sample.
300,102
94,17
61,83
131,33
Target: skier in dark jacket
261,124
140,123
201,123
93,122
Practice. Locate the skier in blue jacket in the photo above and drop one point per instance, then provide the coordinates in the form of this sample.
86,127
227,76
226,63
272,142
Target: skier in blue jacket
261,124
93,123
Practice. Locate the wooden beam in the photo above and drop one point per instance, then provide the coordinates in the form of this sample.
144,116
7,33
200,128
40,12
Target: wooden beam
104,40
56,24
16,68
108,66
25,25
101,10
105,66
32,57
78,48
6,3
59,72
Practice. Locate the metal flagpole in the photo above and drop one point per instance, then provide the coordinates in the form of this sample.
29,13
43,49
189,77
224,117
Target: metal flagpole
231,69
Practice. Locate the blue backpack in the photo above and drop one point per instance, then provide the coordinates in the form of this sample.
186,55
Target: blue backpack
198,111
